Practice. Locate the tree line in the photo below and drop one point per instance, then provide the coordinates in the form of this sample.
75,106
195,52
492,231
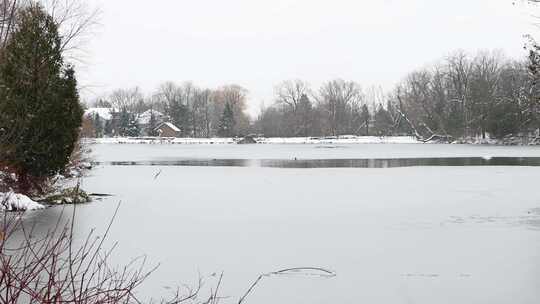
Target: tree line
196,111
460,96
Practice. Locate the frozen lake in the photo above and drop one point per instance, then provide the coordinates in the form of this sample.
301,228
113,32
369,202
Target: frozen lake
164,152
423,234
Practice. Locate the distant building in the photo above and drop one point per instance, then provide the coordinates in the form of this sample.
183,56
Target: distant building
145,121
100,116
108,118
167,129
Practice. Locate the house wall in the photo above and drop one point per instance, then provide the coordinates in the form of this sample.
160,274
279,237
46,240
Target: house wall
167,132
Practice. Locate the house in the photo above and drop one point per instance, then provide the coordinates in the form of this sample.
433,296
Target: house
167,129
108,118
145,121
97,121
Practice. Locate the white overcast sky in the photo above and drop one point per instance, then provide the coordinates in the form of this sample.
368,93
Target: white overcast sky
258,43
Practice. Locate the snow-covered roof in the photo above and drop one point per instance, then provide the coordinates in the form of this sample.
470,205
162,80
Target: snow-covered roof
170,125
144,118
103,113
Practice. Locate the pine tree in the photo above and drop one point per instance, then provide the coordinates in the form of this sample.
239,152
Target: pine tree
40,113
305,114
123,123
128,125
503,119
180,116
383,121
365,118
226,123
133,129
184,120
152,124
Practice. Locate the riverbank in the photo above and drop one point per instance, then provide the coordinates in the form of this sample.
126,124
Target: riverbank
350,139
506,141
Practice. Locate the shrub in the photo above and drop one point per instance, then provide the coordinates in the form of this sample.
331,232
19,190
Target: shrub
40,113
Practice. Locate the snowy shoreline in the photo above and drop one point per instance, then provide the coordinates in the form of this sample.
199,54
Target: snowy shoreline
260,140
11,201
348,139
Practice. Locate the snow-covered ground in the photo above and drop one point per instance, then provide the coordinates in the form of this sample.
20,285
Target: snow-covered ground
18,202
275,140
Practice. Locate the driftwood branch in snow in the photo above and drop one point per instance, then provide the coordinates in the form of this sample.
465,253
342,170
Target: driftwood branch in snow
309,271
433,135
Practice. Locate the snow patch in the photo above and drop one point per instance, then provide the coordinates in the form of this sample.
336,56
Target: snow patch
18,202
345,139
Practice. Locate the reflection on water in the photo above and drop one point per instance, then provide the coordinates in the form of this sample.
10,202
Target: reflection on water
338,163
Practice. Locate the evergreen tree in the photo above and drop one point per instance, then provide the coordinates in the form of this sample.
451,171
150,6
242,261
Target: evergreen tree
123,123
365,118
152,124
133,129
383,121
128,125
226,123
184,120
503,119
180,116
40,113
305,114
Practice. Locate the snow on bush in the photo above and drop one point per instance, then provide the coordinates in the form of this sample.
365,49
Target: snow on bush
18,202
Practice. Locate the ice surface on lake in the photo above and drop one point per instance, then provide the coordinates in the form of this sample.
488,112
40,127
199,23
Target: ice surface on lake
116,152
407,235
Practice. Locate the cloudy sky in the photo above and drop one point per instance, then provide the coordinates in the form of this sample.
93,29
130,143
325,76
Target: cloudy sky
258,43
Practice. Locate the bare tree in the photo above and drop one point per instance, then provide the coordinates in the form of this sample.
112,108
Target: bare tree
126,99
203,113
290,93
459,69
485,84
293,97
8,11
236,96
338,97
168,91
77,22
